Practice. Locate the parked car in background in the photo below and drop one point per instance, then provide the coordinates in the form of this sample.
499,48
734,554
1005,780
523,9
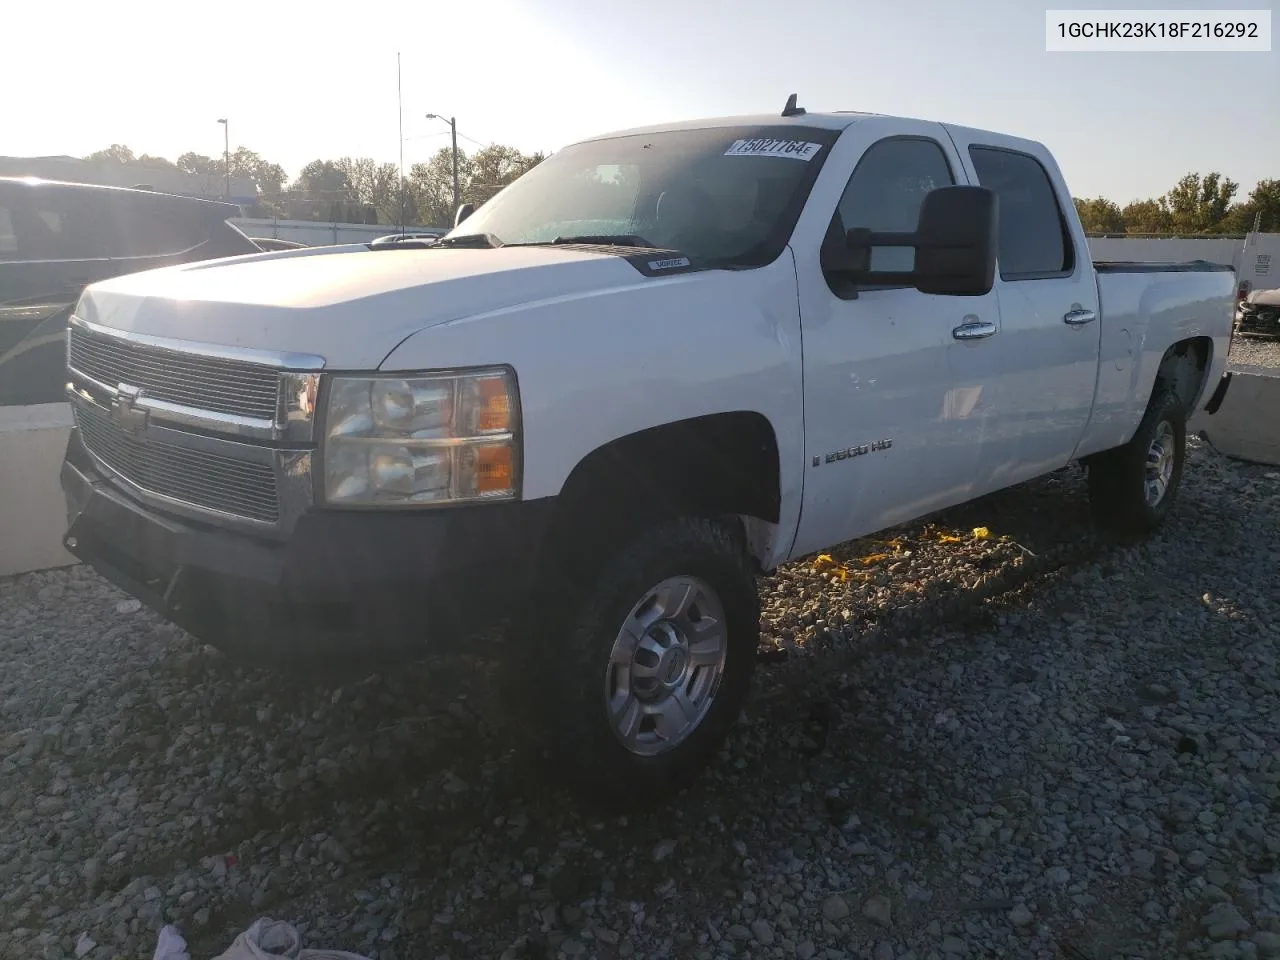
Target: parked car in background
56,238
406,240
275,243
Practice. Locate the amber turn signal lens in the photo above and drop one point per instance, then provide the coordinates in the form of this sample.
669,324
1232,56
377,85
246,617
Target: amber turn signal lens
495,470
494,415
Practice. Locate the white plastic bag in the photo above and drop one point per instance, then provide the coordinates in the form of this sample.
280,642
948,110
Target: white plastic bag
170,945
269,939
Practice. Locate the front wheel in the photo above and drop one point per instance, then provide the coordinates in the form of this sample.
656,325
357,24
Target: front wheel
645,673
1132,488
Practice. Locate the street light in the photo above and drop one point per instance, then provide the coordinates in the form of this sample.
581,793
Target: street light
226,153
453,127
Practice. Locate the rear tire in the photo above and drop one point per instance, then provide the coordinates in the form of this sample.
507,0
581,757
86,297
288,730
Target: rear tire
639,677
1132,488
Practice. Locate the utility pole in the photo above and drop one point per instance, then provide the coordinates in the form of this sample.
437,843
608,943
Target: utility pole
226,153
400,108
453,129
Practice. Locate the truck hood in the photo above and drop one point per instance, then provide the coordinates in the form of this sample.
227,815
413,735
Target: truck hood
348,304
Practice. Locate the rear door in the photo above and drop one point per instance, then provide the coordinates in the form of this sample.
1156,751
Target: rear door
1049,313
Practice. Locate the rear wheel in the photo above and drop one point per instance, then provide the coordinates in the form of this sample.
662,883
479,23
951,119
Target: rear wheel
645,671
1132,488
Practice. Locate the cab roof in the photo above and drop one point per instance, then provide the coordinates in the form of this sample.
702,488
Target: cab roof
836,120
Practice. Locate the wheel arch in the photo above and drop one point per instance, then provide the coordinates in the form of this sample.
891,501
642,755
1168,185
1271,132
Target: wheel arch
721,465
1184,368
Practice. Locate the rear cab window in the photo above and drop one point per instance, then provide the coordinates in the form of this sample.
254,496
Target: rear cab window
1035,240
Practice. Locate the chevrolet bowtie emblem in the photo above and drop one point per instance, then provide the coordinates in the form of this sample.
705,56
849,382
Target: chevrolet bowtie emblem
125,411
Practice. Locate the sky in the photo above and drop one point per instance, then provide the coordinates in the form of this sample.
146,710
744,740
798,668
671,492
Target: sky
299,81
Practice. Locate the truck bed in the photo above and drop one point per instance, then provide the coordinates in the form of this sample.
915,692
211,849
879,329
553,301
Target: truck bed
1145,307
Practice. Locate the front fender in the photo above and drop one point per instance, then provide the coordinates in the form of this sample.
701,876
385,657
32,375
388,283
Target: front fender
596,367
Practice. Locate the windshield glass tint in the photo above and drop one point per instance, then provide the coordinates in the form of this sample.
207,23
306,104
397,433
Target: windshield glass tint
726,196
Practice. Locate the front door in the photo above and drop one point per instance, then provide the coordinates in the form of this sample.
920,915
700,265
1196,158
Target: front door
897,383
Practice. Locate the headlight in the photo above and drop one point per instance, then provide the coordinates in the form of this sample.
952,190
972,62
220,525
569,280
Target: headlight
403,441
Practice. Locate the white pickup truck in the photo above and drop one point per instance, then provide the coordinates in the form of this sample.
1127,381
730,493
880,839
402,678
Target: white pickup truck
662,361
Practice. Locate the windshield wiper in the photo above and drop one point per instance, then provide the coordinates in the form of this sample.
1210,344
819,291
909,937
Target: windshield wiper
481,240
607,239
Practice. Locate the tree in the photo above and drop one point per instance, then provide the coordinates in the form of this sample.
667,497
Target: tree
431,185
147,160
1146,216
1263,205
323,180
269,177
375,184
116,153
1100,215
494,167
209,171
1199,204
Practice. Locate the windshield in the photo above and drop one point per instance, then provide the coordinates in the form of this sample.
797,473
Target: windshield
726,196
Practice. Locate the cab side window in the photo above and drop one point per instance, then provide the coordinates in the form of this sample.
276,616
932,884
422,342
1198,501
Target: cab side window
153,227
1034,240
886,190
71,224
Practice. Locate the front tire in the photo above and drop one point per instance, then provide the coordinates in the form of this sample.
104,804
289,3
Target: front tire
642,677
1132,488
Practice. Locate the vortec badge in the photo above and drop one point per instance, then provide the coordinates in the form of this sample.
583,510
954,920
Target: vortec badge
125,412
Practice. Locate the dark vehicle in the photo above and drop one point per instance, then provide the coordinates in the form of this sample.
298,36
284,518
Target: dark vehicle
56,238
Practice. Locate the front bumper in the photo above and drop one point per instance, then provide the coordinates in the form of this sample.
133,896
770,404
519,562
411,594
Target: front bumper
344,584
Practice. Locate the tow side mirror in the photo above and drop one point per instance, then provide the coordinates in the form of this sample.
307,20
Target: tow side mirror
954,241
464,210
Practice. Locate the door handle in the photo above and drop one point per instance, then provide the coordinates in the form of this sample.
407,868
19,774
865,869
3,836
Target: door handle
1079,317
974,330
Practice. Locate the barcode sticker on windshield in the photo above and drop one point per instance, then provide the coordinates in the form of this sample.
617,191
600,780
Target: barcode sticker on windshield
765,147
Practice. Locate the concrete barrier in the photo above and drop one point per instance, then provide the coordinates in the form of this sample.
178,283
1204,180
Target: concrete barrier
1247,424
33,514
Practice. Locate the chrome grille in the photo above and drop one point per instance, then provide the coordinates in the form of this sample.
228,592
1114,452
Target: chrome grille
205,480
215,384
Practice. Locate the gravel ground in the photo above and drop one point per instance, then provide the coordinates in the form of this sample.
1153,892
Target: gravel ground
1029,744
1255,352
